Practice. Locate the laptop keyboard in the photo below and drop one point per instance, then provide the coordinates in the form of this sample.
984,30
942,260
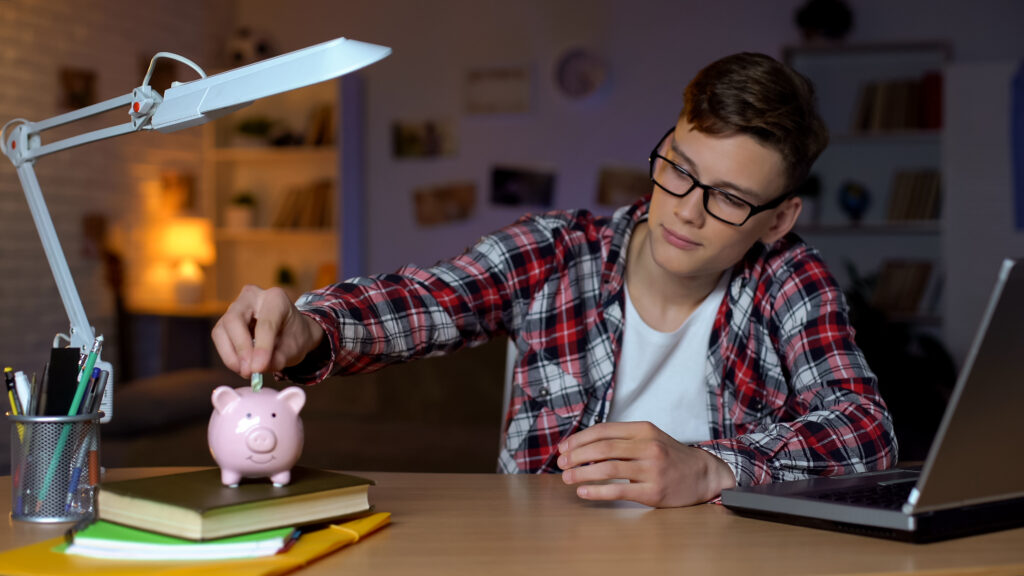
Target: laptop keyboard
890,496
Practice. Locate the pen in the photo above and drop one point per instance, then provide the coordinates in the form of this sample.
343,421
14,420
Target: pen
90,390
101,387
69,535
37,385
22,391
94,461
76,473
40,405
85,370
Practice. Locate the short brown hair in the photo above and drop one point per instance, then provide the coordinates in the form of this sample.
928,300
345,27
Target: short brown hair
755,94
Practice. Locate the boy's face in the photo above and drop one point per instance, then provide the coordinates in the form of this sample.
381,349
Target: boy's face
684,239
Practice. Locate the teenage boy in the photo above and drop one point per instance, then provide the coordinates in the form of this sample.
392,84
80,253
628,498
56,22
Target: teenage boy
687,344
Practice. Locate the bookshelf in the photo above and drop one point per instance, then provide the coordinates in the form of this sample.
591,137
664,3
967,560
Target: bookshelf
270,185
883,106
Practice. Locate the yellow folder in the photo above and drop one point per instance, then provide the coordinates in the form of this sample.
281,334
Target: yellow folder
41,558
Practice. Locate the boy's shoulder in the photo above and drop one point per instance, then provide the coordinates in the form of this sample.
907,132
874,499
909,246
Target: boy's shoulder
787,260
586,222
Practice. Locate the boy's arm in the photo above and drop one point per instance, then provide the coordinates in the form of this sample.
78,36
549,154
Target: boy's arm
374,321
840,423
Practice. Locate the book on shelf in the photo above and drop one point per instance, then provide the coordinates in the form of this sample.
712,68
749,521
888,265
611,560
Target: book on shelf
899,104
196,506
901,286
931,101
914,195
306,207
320,126
116,542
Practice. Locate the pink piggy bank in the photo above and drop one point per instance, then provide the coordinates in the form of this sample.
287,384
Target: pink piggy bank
256,434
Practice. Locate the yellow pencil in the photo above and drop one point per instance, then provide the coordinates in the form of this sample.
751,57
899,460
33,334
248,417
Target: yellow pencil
8,375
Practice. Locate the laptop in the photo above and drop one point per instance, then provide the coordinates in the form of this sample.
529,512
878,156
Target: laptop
973,478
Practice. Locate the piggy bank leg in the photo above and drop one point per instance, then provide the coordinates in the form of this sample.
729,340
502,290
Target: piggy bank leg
281,478
229,478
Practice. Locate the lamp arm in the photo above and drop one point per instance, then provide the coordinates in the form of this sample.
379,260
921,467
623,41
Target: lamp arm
21,140
81,331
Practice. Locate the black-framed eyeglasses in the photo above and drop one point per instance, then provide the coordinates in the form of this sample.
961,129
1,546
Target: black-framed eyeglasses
720,204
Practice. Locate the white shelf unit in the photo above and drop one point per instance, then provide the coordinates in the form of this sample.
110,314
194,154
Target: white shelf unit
234,164
871,156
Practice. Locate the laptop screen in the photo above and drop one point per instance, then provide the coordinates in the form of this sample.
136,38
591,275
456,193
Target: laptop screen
976,456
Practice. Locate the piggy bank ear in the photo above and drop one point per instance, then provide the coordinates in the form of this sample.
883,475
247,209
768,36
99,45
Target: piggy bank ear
224,396
293,396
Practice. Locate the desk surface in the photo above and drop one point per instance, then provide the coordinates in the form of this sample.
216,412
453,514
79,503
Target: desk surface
495,524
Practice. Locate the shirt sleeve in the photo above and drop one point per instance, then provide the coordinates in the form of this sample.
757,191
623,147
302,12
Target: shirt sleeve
374,321
836,422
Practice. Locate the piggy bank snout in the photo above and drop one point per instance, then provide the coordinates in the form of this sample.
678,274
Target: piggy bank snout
261,440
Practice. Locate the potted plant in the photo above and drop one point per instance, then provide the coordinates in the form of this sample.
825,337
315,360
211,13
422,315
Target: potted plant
240,213
253,131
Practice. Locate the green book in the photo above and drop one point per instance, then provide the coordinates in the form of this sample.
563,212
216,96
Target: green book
115,542
196,506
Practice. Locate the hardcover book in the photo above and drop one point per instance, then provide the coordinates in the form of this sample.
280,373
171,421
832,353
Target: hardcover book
196,506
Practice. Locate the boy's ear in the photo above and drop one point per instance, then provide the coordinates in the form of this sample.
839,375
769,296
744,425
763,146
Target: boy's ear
783,219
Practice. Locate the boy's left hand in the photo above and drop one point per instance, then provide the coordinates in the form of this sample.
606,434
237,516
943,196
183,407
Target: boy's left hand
661,471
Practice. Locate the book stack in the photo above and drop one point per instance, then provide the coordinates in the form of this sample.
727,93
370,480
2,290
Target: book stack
900,104
193,516
306,207
915,195
901,286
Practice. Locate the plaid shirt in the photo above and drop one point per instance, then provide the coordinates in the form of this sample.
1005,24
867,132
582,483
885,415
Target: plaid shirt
789,393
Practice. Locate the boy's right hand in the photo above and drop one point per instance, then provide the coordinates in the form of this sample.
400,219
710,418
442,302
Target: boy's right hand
263,331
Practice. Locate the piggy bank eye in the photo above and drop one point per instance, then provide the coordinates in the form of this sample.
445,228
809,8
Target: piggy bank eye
273,414
248,414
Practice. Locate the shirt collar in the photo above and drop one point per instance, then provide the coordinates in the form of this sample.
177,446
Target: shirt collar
624,221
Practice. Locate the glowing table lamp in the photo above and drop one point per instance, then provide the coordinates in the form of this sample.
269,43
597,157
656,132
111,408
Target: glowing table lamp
183,105
187,243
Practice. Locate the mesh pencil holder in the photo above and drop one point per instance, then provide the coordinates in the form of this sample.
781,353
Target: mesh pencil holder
54,467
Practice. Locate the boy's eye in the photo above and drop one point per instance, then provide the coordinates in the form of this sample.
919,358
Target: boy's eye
731,200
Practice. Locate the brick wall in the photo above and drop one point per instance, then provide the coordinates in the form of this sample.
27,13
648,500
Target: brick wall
38,38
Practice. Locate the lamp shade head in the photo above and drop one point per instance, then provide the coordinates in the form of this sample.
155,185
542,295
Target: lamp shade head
188,239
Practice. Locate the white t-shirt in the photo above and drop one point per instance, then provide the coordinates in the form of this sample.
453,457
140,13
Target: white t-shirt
660,375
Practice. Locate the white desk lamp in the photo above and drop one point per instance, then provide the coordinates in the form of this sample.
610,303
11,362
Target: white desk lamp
183,105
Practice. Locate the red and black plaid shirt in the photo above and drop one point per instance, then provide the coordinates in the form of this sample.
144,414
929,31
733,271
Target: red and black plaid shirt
789,393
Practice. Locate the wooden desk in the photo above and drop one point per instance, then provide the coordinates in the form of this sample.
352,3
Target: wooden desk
493,524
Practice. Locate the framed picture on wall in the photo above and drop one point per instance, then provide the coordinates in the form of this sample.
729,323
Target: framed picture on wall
422,139
444,203
622,186
515,186
78,88
498,90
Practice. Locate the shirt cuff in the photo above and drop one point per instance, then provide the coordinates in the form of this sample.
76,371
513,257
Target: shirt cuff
746,465
317,364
